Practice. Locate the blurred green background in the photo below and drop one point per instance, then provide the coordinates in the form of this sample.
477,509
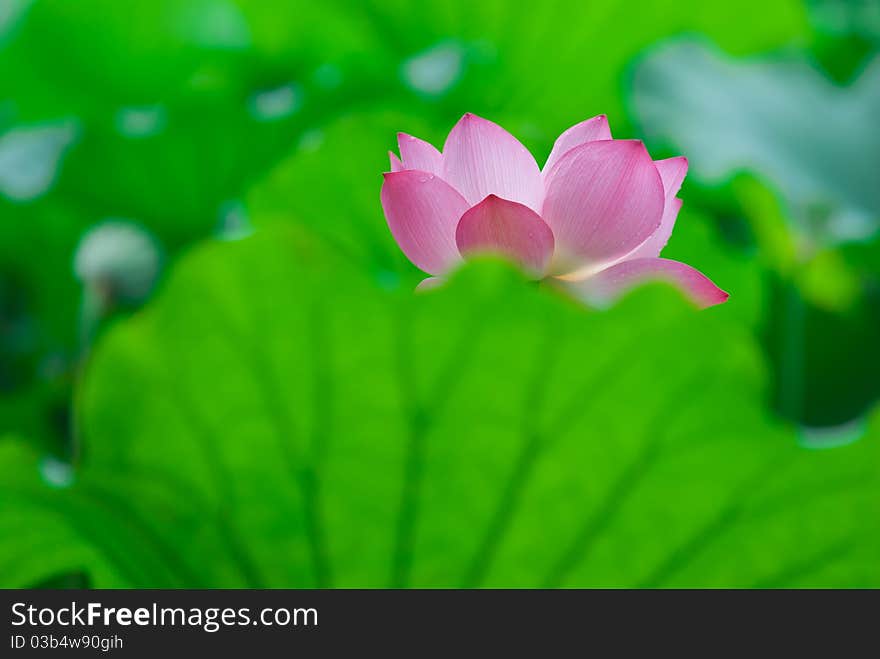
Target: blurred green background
213,372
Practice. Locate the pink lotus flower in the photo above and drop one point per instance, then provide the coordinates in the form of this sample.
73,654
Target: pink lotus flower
596,217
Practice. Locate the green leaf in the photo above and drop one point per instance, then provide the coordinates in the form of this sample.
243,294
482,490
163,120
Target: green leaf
115,528
277,418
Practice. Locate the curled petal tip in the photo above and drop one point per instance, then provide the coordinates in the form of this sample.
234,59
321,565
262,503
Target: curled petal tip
608,285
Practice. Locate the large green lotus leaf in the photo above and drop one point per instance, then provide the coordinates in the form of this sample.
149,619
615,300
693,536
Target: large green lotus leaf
45,539
113,532
278,418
